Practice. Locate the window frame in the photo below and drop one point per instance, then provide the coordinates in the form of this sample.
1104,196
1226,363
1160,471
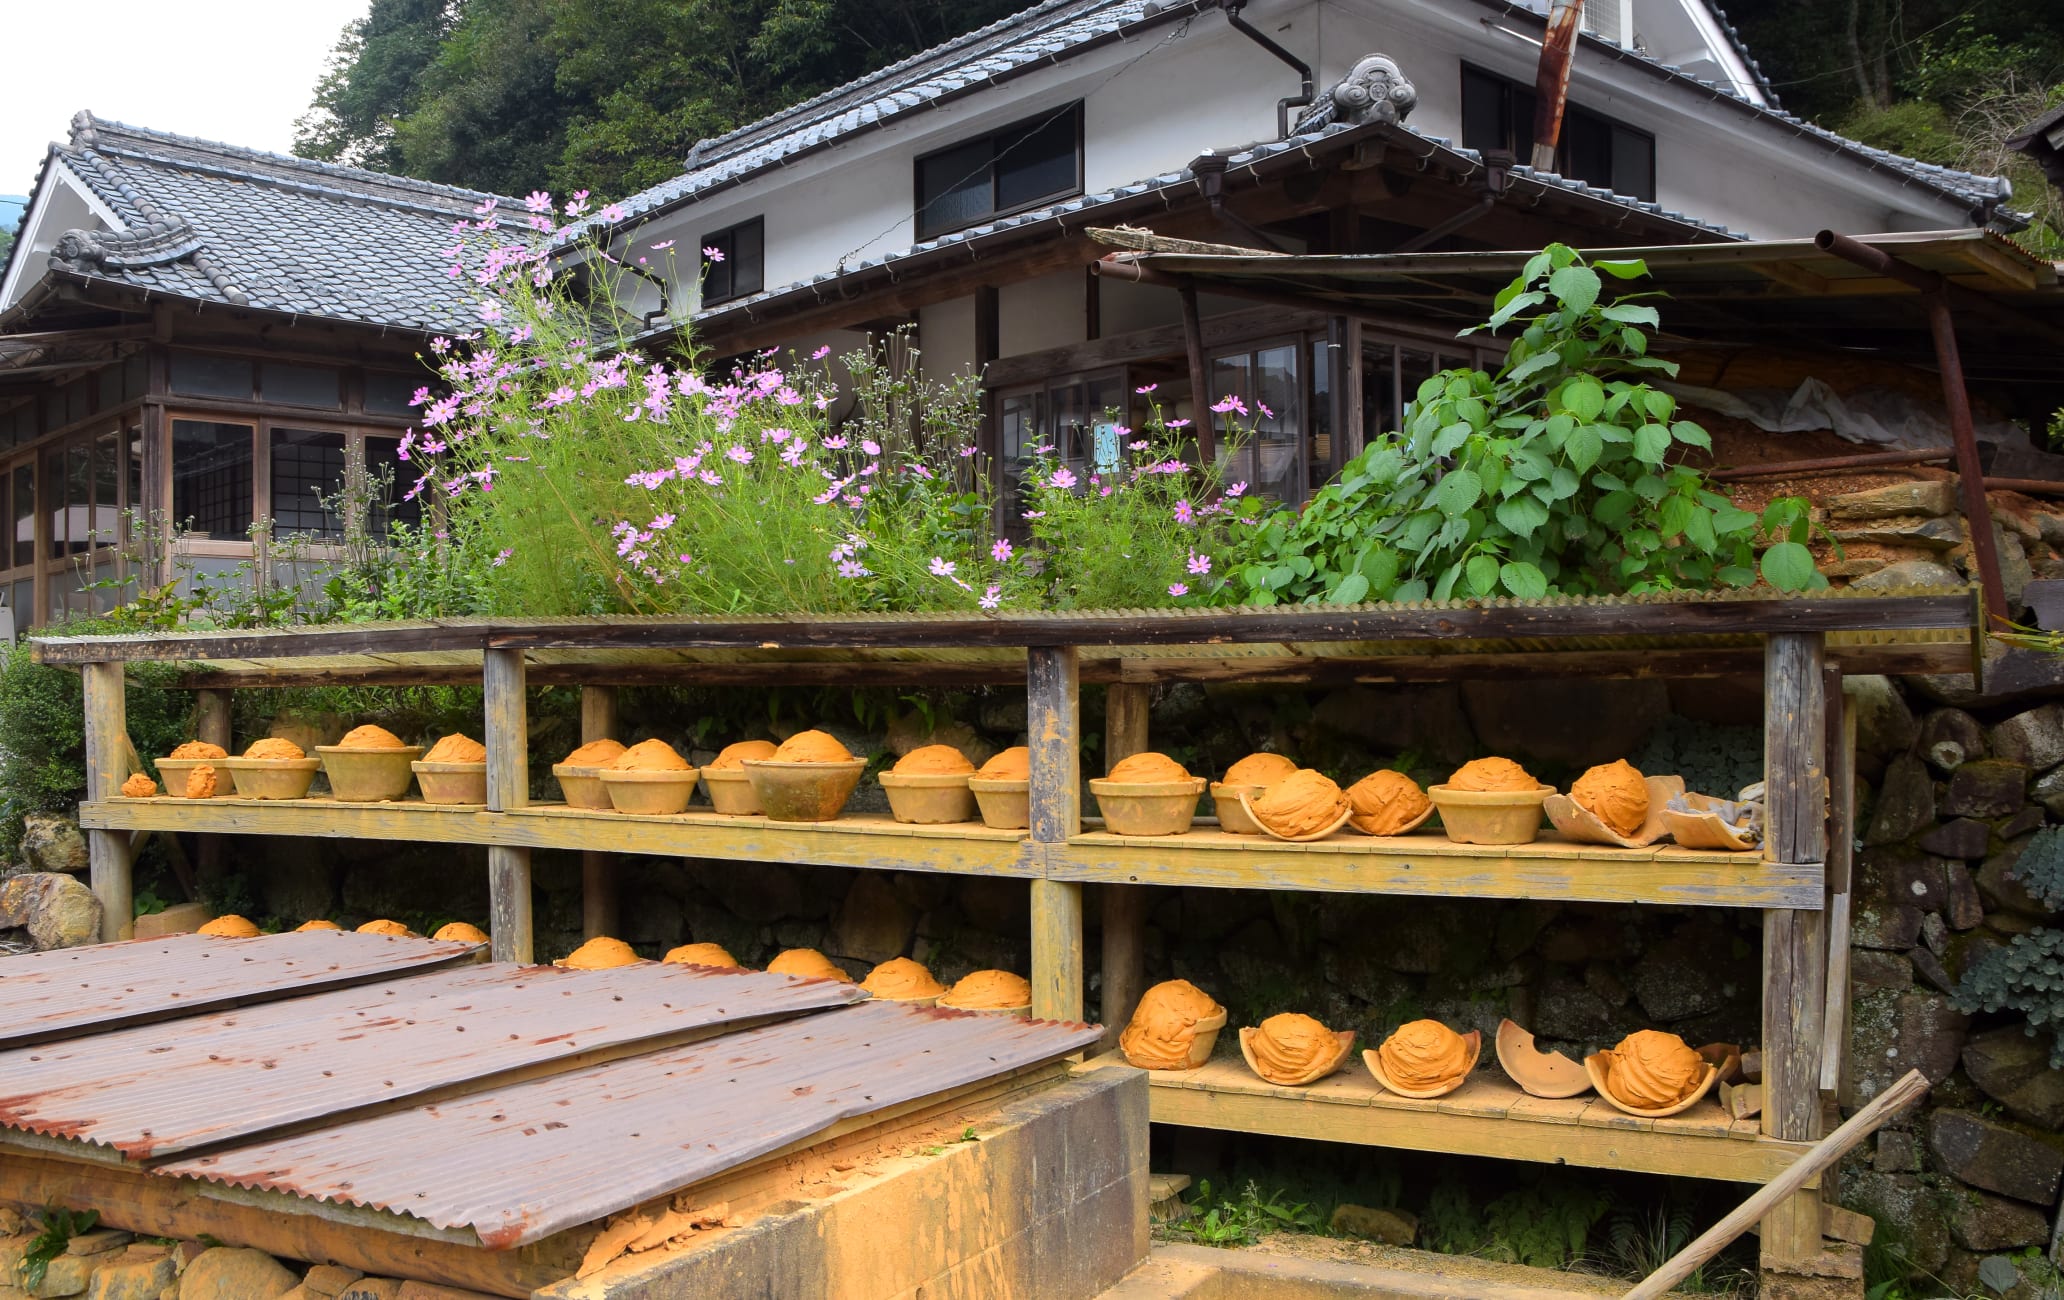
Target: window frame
1572,112
918,205
724,240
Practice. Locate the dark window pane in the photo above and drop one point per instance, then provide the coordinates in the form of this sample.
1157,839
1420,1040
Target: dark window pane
1587,149
748,259
1633,163
299,385
53,494
1037,163
211,478
953,188
716,272
23,597
1485,115
107,488
389,479
387,392
78,489
24,518
204,375
135,501
307,469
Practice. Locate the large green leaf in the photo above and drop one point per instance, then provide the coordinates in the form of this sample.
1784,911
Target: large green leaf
1522,514
1692,435
1575,287
1788,566
1583,447
1482,572
1632,268
1631,313
1651,443
1449,438
1353,588
1583,398
1524,580
1457,492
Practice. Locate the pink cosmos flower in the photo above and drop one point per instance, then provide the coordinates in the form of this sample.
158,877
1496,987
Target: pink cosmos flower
966,452
420,396
490,311
1236,489
1262,406
1199,564
1140,445
1001,551
663,522
440,345
502,557
1063,479
743,455
1183,513
992,597
577,204
837,442
662,245
942,567
1178,589
870,446
711,477
1229,403
612,213
1178,424
821,353
1035,514
712,253
788,396
852,569
1146,388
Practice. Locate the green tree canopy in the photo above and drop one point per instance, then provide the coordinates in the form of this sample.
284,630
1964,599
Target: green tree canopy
608,95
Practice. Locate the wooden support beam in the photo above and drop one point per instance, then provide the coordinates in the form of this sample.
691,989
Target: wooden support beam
1125,906
599,906
1794,952
212,718
107,766
1841,730
508,786
1200,382
1054,725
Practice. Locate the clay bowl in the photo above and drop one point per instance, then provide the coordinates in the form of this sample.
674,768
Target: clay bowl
1148,807
1247,808
1703,827
731,792
929,798
176,770
1006,804
1594,1067
803,792
1233,817
1203,1038
1581,824
649,794
1490,816
452,783
369,775
582,786
1345,1038
270,778
1016,1013
1538,1073
1374,1061
1405,829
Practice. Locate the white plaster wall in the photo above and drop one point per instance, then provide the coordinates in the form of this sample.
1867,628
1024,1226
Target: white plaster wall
1045,312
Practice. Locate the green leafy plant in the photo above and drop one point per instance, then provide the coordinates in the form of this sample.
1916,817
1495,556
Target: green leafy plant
2027,977
59,1227
1242,1219
1562,472
2040,868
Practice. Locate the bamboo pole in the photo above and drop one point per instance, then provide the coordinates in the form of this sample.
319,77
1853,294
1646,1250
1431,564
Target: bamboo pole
1824,1153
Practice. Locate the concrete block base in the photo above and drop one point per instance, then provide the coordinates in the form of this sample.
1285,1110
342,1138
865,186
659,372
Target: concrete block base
1048,1203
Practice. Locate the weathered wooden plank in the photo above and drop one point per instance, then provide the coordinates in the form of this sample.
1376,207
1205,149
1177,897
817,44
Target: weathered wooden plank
107,766
510,935
1351,1108
1054,736
1841,848
599,912
1124,906
1794,953
507,734
1429,864
212,718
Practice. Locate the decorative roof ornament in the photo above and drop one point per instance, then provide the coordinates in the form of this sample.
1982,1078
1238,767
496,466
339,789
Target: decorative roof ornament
1374,90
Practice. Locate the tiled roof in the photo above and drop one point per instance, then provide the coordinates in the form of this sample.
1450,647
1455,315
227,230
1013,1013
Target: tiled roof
242,227
1024,41
1432,149
1982,193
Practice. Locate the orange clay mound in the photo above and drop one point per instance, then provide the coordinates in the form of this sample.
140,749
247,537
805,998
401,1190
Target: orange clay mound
457,748
602,953
229,927
383,926
317,924
811,747
1148,768
370,737
1289,1046
1302,803
989,990
1615,794
650,756
1424,1054
200,782
139,786
900,978
1651,1069
808,964
1259,769
274,747
933,760
733,757
596,753
198,749
1013,764
1489,775
701,954
1386,802
460,932
1159,1034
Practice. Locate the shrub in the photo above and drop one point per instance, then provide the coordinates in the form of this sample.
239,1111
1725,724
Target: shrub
1553,475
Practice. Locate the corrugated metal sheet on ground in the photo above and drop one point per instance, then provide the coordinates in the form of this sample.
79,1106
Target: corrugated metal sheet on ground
158,1090
521,1162
76,991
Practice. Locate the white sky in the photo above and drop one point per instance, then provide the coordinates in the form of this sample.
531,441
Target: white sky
238,71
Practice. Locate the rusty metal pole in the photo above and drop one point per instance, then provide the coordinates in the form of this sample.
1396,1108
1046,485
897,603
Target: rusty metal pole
1551,82
1970,475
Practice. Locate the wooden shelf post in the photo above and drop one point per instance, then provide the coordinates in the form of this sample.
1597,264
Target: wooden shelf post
1053,726
508,787
599,911
107,766
1125,906
1794,941
1841,739
214,722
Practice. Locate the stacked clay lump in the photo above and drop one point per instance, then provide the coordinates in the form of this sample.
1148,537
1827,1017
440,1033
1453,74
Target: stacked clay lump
1149,768
1288,1046
1013,764
988,990
1385,803
900,979
649,756
596,753
600,953
1424,1055
808,964
1652,1070
371,737
812,747
933,760
1259,769
457,748
1162,1027
198,749
1616,794
276,748
1302,803
1492,776
733,757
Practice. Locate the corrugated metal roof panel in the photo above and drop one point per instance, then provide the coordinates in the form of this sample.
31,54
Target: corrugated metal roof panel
157,1090
519,1163
76,991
